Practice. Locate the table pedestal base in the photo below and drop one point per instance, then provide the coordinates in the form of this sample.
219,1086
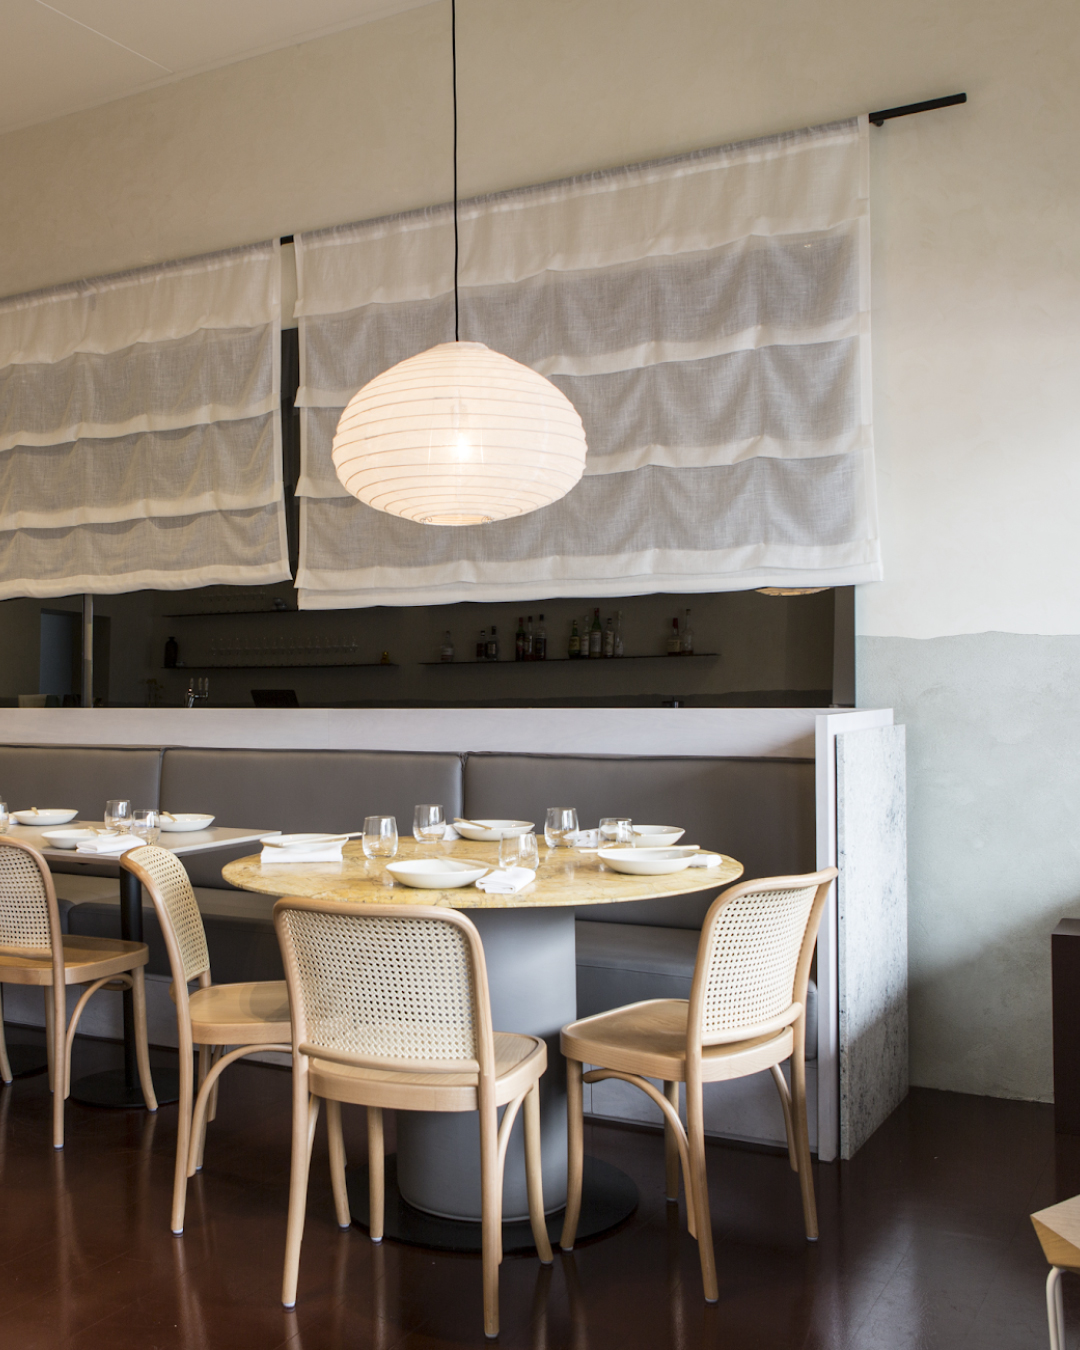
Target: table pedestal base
608,1197
113,1088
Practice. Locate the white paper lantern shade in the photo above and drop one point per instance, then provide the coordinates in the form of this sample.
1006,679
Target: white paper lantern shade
459,435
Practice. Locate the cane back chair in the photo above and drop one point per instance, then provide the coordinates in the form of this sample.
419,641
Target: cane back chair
390,1008
746,1013
251,1017
34,951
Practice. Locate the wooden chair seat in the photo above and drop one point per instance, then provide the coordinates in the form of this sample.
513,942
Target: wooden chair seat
255,1013
1058,1231
85,959
519,1060
650,1039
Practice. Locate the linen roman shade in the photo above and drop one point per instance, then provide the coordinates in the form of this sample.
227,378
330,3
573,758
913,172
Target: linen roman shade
707,315
140,433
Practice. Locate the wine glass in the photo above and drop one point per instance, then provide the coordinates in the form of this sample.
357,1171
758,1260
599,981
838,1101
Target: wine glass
561,826
616,830
380,837
118,816
519,850
429,824
146,824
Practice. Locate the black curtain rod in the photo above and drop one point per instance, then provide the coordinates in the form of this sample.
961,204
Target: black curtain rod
885,114
878,118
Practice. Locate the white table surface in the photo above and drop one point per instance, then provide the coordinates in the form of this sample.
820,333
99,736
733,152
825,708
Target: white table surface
198,841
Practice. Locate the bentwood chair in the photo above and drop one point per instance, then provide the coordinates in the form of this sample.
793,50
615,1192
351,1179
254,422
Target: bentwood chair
390,1008
251,1017
746,1013
34,951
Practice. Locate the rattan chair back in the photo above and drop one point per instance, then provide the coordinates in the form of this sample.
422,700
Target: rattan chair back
167,883
29,916
386,983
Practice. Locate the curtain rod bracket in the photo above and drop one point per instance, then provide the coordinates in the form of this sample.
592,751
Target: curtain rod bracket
886,114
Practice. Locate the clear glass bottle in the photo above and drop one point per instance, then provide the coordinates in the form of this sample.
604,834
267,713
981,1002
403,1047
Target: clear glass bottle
674,643
573,651
481,645
519,641
446,653
493,646
540,642
687,639
596,636
609,637
619,650
530,642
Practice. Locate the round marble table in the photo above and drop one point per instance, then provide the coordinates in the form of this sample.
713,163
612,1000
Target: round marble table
531,961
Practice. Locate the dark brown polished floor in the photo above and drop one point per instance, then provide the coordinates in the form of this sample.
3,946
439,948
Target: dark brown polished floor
925,1241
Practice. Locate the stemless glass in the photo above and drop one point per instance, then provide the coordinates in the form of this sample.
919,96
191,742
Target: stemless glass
118,816
519,850
561,826
146,824
380,837
5,819
429,824
616,830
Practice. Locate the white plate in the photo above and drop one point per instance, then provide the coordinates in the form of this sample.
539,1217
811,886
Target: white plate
185,824
304,841
656,836
436,874
493,830
54,815
647,862
68,838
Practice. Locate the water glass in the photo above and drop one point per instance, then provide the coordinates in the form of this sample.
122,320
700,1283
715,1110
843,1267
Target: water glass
380,837
561,826
429,824
616,830
146,824
5,819
118,816
519,850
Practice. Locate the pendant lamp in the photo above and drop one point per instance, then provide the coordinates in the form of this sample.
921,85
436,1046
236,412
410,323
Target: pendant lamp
460,434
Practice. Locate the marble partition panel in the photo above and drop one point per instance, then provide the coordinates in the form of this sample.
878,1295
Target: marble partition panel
871,819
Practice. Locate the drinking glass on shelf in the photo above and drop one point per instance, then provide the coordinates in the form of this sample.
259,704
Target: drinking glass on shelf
561,826
616,830
519,850
429,824
118,816
5,819
380,837
146,824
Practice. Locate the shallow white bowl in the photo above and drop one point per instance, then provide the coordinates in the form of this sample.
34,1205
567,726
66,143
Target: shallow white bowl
493,830
185,824
68,838
656,836
436,874
304,841
54,815
647,862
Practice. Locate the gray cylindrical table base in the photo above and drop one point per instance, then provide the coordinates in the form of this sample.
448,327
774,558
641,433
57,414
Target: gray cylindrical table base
532,975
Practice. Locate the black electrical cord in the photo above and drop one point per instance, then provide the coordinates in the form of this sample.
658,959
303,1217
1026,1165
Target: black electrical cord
453,58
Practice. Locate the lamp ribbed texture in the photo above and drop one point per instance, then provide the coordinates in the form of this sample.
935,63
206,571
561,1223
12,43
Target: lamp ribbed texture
459,435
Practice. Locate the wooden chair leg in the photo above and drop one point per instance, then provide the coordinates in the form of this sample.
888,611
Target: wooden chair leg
695,1130
671,1147
337,1162
183,1128
298,1183
802,1145
491,1216
49,1034
1055,1311
58,1041
534,1176
5,1065
142,1040
376,1173
785,1103
575,1149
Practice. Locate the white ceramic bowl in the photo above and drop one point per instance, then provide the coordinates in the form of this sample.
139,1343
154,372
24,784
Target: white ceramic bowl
68,838
53,815
647,862
304,841
185,824
436,874
656,836
493,830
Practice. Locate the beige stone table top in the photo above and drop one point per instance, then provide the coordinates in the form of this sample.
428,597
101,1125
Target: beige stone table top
565,877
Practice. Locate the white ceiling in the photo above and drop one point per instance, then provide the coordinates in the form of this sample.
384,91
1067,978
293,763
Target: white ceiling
74,54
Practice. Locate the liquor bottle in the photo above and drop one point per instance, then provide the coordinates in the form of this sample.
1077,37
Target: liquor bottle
596,636
540,642
574,649
519,641
674,644
447,651
481,645
619,651
609,638
530,642
493,646
687,637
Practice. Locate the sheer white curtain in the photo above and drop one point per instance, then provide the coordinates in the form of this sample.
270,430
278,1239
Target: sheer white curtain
708,316
140,430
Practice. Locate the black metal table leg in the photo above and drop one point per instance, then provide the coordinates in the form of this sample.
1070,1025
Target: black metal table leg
120,1087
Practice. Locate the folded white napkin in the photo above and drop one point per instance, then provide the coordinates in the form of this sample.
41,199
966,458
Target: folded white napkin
587,839
509,882
706,860
450,833
316,853
111,845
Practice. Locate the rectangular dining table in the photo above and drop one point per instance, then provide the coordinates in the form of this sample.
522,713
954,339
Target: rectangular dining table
120,1087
